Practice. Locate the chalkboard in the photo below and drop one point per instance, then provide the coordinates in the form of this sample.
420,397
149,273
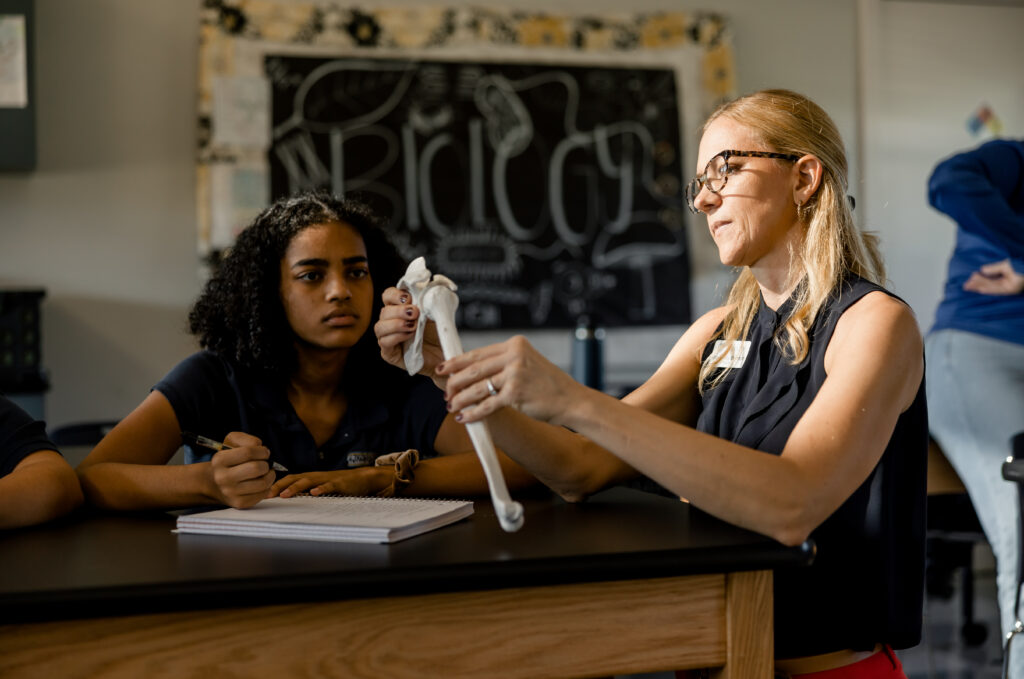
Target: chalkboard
546,191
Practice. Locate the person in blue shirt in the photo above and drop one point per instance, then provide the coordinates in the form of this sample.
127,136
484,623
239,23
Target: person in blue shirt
36,483
975,349
289,377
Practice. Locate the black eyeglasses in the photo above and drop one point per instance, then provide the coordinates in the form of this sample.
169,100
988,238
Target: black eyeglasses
716,172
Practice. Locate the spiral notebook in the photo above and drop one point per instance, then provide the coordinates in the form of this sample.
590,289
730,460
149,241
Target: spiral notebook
332,518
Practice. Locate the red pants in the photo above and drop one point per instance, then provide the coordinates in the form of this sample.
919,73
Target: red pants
881,665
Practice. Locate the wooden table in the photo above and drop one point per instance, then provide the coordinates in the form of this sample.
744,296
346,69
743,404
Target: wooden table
625,582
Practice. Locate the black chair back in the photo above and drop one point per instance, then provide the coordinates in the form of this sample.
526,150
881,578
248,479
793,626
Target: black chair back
1013,470
81,434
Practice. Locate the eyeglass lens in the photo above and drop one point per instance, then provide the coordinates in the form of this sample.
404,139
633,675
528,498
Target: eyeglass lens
714,178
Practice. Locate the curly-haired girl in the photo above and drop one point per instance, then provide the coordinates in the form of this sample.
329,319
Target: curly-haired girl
290,377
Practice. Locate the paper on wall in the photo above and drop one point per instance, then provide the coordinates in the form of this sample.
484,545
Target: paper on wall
13,62
237,194
241,112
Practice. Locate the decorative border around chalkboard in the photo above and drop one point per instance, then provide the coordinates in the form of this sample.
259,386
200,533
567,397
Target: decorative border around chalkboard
631,266
225,26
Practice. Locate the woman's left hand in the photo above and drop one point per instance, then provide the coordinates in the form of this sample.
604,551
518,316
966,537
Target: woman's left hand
520,377
361,481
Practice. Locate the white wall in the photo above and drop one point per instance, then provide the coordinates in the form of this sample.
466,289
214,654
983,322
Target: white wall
107,221
930,65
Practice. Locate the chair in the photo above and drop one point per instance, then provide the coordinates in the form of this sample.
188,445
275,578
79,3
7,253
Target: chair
75,441
81,434
1013,470
952,532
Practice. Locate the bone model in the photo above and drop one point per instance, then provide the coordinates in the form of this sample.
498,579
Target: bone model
437,301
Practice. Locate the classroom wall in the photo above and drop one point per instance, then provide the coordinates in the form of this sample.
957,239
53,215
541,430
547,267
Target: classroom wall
928,67
107,221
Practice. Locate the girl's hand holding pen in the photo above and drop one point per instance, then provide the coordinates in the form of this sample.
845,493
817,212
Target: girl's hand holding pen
241,474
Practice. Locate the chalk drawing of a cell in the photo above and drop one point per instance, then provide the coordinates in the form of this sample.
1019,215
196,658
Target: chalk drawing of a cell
576,285
348,94
479,255
509,126
649,240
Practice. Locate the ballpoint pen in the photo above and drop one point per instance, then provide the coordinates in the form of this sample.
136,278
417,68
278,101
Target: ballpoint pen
206,442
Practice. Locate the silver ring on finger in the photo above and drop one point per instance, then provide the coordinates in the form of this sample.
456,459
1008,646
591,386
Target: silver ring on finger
491,388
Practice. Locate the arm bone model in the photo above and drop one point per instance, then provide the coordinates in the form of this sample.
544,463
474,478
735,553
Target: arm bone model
435,296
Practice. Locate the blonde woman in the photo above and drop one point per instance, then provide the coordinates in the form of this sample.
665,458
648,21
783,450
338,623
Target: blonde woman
796,410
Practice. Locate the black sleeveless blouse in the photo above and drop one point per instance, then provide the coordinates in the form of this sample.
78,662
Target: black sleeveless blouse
866,584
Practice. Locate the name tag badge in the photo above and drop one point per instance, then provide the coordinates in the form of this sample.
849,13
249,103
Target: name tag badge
360,459
734,353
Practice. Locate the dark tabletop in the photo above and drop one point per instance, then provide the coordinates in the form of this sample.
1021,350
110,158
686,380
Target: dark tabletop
103,564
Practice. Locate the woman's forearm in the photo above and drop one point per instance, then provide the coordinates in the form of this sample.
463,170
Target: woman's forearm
765,493
462,475
604,441
569,464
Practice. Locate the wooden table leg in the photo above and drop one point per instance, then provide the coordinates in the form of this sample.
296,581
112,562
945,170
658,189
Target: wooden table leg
750,629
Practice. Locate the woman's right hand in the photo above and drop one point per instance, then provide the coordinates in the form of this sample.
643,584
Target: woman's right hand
397,324
511,373
241,475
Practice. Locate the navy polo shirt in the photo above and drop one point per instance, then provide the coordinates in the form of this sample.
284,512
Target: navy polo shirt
212,396
20,436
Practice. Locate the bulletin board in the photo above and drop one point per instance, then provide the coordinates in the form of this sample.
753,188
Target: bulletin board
537,160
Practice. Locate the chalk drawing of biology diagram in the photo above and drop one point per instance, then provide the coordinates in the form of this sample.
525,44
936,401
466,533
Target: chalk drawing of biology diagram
545,192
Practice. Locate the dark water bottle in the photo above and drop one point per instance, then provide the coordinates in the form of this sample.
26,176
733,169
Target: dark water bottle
587,365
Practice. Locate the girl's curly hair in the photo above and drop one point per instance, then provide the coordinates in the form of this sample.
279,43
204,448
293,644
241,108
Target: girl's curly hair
239,313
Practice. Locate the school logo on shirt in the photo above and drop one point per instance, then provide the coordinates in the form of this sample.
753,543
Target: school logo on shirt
734,353
360,459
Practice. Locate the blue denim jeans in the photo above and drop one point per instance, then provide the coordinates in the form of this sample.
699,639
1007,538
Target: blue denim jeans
975,388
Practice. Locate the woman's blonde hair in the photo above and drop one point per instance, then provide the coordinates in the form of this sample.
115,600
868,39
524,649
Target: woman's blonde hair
833,246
